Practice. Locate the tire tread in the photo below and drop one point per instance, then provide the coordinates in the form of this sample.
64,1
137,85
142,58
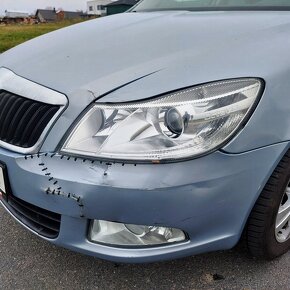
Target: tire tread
257,225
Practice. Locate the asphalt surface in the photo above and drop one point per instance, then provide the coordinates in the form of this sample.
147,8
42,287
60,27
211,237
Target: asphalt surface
27,262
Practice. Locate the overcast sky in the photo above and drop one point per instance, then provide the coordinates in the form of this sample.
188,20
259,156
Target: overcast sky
32,5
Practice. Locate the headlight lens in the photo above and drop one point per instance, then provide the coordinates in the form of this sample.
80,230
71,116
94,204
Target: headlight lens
184,124
119,234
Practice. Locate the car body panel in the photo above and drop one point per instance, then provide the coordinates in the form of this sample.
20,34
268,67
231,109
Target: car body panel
75,63
143,55
211,204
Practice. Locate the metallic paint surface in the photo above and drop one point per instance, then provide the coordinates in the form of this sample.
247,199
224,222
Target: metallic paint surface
143,55
158,52
210,198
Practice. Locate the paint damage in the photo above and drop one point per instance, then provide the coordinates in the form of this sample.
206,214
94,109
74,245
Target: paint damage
49,165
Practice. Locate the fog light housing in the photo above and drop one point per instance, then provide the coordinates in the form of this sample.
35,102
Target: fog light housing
119,234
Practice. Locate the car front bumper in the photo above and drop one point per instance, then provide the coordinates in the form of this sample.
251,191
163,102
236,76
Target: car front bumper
209,198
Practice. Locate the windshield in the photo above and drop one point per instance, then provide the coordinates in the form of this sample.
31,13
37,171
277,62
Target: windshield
199,5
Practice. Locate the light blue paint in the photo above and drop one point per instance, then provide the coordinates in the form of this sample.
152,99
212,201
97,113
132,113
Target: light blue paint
142,55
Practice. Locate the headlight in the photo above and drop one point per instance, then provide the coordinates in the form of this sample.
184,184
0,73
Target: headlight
183,124
118,234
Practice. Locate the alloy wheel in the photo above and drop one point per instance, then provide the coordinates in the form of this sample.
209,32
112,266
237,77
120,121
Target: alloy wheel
283,218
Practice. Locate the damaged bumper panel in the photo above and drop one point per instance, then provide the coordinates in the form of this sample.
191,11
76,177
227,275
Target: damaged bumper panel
207,199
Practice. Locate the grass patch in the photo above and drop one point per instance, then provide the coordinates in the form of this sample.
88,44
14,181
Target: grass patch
12,35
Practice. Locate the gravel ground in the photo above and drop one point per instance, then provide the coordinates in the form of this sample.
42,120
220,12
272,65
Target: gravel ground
27,262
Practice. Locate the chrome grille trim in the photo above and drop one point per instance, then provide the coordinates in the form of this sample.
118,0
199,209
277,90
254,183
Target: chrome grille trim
17,85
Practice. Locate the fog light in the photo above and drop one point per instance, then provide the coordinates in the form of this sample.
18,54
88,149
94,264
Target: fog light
133,235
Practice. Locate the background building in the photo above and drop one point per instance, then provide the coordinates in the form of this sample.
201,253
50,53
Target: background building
12,17
16,14
46,15
98,7
69,15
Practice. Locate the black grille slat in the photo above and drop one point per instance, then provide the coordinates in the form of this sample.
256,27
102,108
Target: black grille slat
22,124
32,122
3,100
5,107
42,212
38,128
42,221
9,117
22,121
16,120
34,217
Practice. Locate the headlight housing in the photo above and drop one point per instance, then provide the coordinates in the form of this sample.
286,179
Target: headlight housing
118,234
183,124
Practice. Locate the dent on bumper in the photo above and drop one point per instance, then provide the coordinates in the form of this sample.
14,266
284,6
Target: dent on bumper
209,198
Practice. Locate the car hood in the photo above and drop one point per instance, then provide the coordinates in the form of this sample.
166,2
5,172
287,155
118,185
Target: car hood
178,48
134,56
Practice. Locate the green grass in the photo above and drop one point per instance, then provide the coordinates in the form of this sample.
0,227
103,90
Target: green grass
12,35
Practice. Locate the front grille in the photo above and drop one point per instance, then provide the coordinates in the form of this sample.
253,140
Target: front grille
22,120
43,222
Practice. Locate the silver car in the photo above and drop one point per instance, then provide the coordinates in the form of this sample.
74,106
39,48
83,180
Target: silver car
154,134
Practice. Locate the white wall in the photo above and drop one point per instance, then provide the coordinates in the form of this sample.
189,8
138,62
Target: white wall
94,7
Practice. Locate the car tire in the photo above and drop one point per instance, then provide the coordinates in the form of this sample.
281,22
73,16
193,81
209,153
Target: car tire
264,237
